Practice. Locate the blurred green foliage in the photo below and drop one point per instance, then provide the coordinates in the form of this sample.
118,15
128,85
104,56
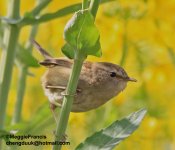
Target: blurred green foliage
149,27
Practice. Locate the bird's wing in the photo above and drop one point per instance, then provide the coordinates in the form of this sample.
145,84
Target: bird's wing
57,62
60,88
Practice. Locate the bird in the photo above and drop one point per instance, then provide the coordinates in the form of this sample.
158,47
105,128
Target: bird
98,81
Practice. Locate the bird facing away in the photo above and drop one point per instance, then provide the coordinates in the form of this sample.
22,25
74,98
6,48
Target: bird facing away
98,81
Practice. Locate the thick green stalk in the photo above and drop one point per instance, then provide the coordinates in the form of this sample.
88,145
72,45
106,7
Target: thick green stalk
71,87
23,70
7,59
68,99
20,94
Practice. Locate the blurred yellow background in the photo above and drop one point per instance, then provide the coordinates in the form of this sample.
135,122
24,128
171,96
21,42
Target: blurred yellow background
149,26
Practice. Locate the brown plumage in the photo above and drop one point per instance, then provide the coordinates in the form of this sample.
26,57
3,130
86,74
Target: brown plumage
98,81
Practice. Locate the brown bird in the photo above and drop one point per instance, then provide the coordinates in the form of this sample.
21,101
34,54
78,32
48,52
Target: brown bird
98,81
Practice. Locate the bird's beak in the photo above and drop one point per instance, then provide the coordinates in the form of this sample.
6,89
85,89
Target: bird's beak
131,79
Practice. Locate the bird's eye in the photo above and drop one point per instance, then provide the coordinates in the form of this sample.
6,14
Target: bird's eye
113,74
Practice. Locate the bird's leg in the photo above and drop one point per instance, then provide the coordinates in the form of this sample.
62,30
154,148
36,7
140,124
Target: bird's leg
64,137
52,108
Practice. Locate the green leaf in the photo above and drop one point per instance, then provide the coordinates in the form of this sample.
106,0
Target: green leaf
82,34
109,137
95,50
24,57
68,51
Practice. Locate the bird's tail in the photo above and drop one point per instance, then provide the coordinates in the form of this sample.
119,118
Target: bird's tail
42,51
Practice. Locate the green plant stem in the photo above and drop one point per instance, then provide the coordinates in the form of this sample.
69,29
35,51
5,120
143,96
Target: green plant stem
85,4
71,89
42,4
50,16
20,94
60,13
7,60
23,70
68,99
94,4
